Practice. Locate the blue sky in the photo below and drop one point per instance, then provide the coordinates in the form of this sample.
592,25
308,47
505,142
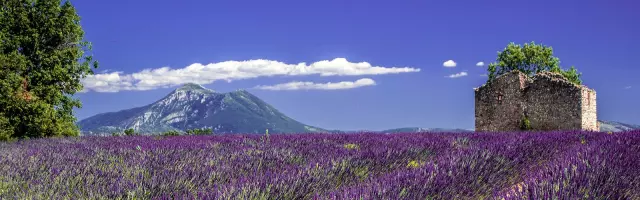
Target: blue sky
409,41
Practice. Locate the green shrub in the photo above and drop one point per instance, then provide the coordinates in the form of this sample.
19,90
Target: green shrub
129,132
525,124
202,131
171,133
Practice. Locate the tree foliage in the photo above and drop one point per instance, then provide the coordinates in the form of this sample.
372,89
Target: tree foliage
4,126
530,59
202,131
129,132
171,133
42,60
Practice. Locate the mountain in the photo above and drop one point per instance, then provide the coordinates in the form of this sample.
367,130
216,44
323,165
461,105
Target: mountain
416,129
606,126
193,106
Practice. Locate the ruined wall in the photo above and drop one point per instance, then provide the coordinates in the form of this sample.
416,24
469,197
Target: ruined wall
498,103
553,103
549,102
589,114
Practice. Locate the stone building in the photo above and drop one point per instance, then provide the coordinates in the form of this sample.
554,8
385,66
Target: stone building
547,100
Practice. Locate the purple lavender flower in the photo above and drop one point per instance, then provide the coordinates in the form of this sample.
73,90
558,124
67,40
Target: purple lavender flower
544,165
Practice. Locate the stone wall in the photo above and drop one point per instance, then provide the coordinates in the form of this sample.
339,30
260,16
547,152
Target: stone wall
589,114
499,103
548,101
553,103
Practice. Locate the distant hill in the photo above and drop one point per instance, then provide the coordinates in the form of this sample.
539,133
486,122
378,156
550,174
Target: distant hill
606,126
193,106
416,129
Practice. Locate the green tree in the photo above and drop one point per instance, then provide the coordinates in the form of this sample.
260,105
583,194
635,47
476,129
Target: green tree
530,59
572,74
129,132
171,133
42,60
202,131
4,128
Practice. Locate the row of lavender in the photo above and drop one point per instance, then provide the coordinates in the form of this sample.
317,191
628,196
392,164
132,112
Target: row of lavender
551,165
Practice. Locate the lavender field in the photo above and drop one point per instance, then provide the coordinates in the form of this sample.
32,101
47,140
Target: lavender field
552,165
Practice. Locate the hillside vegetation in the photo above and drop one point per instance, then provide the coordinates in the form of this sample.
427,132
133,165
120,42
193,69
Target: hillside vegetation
551,165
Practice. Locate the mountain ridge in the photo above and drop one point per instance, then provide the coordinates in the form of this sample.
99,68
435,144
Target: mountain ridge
193,106
605,126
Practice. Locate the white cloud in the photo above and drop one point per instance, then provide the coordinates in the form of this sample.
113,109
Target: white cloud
107,82
461,74
628,87
230,70
480,64
483,75
319,86
449,63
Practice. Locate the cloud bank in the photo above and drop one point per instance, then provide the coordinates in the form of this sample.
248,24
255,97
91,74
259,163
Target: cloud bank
449,63
480,64
230,70
319,86
461,74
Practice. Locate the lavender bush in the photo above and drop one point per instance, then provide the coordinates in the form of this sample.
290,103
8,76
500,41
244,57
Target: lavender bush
528,165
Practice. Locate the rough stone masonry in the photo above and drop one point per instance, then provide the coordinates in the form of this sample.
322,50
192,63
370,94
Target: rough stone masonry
547,100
